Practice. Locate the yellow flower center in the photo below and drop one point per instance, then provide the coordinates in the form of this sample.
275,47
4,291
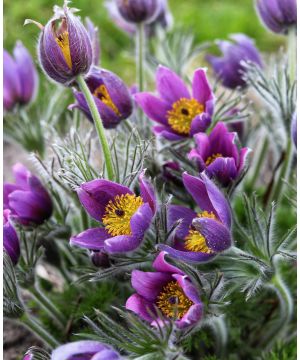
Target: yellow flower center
181,115
195,241
63,42
102,94
118,213
212,158
172,301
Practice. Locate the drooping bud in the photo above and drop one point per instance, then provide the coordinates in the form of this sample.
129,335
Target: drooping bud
100,259
138,11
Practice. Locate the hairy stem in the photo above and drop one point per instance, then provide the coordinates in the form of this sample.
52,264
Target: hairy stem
99,126
262,157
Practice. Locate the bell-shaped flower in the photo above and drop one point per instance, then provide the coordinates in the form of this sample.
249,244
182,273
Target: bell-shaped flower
278,15
218,154
27,199
20,79
125,216
111,96
229,67
138,11
169,290
10,238
200,235
65,49
179,113
85,350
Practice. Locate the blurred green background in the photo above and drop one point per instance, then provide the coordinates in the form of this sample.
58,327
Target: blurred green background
206,19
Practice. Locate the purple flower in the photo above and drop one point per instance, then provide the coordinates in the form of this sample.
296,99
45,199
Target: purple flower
10,238
85,350
278,15
200,235
93,32
125,216
137,11
294,128
111,96
65,49
20,79
179,114
229,67
27,199
168,289
218,155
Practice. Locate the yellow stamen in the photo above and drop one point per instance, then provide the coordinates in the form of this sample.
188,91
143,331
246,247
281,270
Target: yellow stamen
118,213
102,94
63,42
172,301
182,114
195,241
212,158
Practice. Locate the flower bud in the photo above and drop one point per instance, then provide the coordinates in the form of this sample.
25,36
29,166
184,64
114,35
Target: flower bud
111,96
65,49
138,11
277,15
20,79
100,259
10,238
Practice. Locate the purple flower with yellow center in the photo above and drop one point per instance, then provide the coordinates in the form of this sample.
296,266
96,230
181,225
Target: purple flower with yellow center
278,15
111,96
93,32
179,114
124,215
10,238
20,79
137,11
200,235
218,155
85,350
65,49
169,290
229,67
27,199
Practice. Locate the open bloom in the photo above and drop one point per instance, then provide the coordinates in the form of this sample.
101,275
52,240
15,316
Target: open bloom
200,235
179,114
20,79
278,15
229,67
65,49
10,238
294,128
168,289
125,216
111,96
85,350
219,155
93,32
137,11
27,199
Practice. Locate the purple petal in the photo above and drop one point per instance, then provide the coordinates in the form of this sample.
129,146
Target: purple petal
201,88
10,238
106,355
167,133
217,236
155,108
11,81
21,174
224,169
188,288
188,256
170,86
177,212
76,348
192,317
8,189
200,123
147,192
140,306
149,284
161,265
92,239
244,155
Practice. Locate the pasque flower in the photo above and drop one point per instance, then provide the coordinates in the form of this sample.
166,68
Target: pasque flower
20,79
137,11
93,32
229,67
167,289
278,15
10,238
27,199
111,96
65,49
125,216
85,350
218,154
294,128
179,114
200,235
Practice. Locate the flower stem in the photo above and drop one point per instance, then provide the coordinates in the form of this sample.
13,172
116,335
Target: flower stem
33,325
99,126
48,305
140,54
292,52
262,157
